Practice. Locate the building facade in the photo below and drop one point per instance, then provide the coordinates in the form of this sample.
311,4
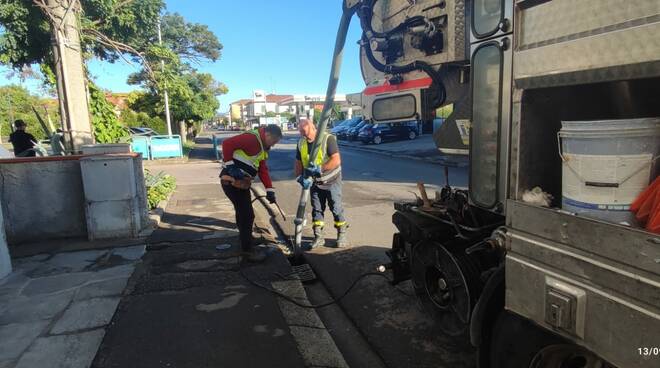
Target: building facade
261,104
238,110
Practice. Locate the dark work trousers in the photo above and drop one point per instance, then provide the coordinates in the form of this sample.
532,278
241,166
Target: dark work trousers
332,196
242,201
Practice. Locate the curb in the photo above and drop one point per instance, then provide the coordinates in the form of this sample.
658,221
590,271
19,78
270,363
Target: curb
156,215
164,161
431,160
314,342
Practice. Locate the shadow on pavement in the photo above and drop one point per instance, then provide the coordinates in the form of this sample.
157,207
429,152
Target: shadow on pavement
187,307
392,320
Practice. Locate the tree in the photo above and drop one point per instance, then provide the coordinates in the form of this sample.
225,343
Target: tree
119,29
192,94
287,115
190,41
109,30
192,98
131,118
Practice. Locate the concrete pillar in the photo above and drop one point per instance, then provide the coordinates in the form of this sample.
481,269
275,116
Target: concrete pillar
71,81
349,113
5,260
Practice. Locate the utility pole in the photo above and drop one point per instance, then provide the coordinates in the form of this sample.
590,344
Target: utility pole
165,96
71,88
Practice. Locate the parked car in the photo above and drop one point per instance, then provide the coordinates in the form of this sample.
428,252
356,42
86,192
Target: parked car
352,133
380,132
334,123
337,126
342,132
143,131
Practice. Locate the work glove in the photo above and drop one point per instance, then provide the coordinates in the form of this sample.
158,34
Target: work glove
235,172
270,196
313,171
306,183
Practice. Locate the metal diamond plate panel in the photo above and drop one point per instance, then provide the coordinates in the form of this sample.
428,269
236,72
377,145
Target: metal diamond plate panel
617,55
559,20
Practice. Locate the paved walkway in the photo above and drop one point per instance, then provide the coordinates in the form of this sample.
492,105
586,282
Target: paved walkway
54,308
190,304
186,302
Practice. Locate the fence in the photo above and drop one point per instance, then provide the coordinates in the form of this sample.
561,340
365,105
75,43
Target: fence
216,146
158,146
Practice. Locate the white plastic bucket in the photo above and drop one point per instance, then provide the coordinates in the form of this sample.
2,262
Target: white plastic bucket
606,164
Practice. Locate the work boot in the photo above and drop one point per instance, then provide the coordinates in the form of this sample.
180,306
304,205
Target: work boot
319,240
342,240
255,254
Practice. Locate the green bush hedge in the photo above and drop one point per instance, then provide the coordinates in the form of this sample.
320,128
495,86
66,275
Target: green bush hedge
159,187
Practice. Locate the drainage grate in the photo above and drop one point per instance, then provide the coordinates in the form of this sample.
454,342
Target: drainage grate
304,272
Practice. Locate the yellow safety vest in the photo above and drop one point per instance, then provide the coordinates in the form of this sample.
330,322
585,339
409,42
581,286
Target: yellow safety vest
255,160
321,157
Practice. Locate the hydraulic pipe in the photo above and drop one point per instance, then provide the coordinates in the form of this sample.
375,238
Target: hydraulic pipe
340,41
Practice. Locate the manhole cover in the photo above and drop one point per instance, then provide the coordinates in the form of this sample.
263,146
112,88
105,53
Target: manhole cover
304,272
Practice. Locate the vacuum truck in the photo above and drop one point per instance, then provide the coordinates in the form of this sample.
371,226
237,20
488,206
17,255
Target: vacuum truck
546,259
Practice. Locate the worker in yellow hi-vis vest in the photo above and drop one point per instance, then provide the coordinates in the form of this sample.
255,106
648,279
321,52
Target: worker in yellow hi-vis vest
244,158
324,178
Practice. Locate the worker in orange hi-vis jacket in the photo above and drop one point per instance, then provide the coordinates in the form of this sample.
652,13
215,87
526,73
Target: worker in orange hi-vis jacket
244,157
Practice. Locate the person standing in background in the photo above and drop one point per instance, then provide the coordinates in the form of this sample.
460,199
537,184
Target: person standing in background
22,141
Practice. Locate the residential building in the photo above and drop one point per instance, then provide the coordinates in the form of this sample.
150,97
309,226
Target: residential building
299,105
261,104
238,109
304,105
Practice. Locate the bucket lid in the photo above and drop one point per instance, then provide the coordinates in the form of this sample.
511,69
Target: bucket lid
648,125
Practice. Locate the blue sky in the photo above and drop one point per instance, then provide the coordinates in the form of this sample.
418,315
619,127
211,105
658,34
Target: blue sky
278,46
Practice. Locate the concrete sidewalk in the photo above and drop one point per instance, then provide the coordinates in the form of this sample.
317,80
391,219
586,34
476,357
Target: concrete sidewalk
54,308
422,148
192,303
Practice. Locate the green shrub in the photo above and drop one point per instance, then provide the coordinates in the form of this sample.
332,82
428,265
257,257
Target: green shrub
104,121
187,147
159,187
130,118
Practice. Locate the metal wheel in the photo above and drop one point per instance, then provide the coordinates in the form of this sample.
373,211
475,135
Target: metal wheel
412,135
566,356
378,140
446,285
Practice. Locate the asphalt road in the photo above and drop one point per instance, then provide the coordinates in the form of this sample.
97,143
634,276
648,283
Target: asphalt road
372,183
391,320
